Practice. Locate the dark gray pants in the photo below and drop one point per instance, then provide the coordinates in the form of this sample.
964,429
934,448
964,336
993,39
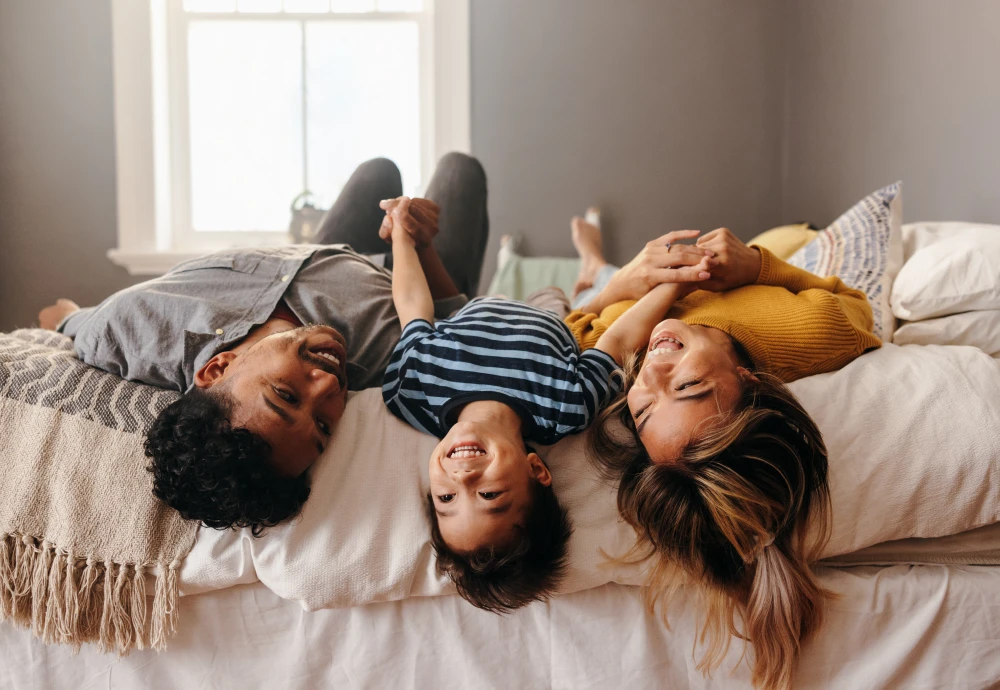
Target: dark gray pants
458,187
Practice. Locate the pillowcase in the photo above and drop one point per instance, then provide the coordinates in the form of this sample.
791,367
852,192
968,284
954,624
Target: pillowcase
917,236
974,328
955,269
913,434
785,240
864,248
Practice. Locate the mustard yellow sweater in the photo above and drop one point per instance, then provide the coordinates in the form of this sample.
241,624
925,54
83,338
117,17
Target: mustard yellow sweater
792,323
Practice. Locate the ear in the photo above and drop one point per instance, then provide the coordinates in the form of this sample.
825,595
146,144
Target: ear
214,369
747,375
539,471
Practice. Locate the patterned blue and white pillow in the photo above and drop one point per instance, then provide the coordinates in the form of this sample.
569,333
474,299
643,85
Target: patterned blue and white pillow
864,248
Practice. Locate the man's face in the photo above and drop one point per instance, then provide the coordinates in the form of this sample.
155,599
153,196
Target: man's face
290,388
481,485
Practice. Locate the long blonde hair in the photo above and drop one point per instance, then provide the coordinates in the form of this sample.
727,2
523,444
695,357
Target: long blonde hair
744,511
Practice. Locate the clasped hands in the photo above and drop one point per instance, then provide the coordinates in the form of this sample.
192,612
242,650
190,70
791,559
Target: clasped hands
718,261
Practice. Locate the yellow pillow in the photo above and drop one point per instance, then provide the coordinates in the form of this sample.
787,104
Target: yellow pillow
786,240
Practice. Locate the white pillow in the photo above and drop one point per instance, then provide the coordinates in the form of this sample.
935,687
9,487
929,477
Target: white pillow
864,248
913,434
914,440
917,236
955,269
974,328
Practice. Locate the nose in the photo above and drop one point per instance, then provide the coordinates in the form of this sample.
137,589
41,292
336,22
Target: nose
465,476
323,384
659,374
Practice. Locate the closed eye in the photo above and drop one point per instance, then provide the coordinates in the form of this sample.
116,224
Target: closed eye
688,384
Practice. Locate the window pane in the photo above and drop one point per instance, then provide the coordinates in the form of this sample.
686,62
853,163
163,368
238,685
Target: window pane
400,5
246,123
307,5
209,5
260,5
363,92
352,5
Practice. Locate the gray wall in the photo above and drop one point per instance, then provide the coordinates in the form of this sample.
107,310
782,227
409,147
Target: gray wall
667,113
880,90
57,167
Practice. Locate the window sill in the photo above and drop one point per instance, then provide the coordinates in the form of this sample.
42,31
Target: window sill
149,263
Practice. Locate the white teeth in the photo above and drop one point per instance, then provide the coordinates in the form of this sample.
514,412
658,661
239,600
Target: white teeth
467,452
656,351
328,356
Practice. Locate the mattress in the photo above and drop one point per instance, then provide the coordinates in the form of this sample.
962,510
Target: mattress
928,626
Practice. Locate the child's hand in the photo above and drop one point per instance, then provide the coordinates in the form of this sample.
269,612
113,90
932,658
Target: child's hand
419,218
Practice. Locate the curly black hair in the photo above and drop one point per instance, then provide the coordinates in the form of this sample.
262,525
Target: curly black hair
530,568
206,470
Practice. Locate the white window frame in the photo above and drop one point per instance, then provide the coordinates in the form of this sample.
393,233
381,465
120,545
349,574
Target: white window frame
150,190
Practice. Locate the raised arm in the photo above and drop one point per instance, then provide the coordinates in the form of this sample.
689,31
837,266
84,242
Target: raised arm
410,291
421,222
630,332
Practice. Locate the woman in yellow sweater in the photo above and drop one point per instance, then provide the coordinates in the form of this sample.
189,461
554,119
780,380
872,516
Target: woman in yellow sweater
723,470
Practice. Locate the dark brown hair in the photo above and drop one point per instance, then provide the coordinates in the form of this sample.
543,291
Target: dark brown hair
733,513
529,568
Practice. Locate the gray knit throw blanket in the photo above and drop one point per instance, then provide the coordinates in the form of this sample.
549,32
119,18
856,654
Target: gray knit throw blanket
82,538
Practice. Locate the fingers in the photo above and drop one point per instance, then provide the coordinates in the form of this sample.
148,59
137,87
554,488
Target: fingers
675,236
716,235
684,274
685,255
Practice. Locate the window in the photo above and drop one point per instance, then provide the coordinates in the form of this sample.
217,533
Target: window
227,109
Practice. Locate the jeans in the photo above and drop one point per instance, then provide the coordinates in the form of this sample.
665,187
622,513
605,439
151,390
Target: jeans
458,187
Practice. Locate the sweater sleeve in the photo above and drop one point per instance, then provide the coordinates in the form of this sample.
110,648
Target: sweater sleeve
810,287
588,327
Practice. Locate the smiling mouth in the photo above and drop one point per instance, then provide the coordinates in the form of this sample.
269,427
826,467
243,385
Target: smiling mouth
664,344
466,450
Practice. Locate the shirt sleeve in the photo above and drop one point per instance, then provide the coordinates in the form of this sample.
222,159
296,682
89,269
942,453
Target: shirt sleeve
595,385
402,390
853,304
72,324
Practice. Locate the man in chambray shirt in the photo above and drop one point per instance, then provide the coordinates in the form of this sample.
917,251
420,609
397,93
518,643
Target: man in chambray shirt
265,342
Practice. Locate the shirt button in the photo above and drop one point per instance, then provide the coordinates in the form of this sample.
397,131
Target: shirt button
218,331
284,279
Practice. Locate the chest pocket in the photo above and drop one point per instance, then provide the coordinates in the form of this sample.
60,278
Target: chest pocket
243,261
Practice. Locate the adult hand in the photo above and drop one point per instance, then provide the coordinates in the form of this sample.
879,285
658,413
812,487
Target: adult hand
738,264
419,219
658,263
52,315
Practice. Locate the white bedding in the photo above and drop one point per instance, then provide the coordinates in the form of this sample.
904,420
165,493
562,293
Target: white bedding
899,627
913,434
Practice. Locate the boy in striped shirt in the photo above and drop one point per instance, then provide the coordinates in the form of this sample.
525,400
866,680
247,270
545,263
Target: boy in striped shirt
487,381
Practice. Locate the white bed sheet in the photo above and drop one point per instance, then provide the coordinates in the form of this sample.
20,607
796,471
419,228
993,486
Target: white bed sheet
898,627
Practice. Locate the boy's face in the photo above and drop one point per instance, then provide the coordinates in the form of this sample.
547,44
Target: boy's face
481,485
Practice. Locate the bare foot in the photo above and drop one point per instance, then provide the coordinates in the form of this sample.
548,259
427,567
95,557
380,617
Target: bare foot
587,240
51,316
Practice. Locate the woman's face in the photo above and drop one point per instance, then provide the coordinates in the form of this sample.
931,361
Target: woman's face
690,375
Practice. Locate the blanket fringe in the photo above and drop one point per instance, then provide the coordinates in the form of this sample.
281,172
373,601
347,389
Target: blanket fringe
70,599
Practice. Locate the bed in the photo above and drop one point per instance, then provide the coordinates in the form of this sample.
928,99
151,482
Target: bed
912,612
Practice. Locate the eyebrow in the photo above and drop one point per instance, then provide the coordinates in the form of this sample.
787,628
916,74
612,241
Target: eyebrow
696,396
279,410
492,510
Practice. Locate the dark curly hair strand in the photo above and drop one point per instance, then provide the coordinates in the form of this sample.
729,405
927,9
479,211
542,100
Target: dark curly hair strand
209,471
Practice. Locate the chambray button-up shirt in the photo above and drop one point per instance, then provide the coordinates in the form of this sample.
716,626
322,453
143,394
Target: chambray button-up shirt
162,331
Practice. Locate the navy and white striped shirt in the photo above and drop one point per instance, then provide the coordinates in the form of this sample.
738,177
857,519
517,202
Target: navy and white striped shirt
497,349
